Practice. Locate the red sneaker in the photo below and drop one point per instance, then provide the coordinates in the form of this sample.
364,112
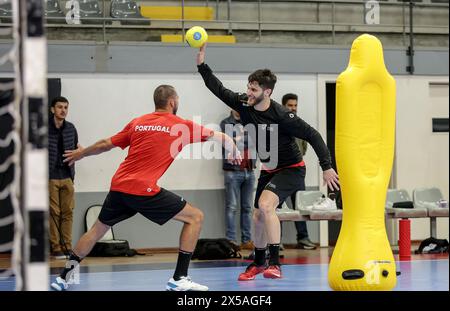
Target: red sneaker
251,272
273,272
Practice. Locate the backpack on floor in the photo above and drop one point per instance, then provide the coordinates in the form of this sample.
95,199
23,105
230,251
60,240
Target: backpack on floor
107,246
215,249
433,246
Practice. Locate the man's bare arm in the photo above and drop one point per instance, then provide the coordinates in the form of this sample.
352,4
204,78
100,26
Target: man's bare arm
103,145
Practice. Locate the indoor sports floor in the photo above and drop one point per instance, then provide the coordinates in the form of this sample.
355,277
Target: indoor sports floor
303,270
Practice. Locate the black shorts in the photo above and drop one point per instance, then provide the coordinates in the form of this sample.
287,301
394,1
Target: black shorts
159,208
283,183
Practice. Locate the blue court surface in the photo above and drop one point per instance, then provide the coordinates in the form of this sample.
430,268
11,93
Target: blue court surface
419,275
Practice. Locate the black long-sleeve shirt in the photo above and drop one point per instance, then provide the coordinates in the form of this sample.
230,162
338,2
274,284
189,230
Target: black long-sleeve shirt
275,129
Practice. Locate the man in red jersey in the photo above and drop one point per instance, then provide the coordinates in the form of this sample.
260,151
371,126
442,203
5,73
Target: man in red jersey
154,140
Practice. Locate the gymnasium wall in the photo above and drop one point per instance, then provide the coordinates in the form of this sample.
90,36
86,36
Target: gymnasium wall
101,105
109,84
421,156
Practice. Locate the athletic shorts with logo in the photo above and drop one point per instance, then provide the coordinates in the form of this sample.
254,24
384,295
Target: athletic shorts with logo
283,183
159,208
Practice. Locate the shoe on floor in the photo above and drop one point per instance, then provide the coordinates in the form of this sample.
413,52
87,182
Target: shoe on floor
59,284
306,243
273,272
236,246
248,245
251,272
185,284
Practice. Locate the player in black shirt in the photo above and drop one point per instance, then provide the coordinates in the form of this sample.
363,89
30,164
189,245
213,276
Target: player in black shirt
283,170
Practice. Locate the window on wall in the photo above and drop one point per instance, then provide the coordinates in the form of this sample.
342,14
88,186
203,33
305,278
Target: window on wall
438,93
440,125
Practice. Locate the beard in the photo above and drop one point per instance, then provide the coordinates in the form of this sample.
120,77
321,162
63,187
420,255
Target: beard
258,99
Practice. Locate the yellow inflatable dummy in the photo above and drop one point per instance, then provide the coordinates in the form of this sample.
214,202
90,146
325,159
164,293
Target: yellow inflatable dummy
365,134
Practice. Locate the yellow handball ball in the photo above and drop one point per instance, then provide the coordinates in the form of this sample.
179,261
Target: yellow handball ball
196,36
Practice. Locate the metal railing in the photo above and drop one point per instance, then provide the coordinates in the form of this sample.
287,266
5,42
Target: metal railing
230,25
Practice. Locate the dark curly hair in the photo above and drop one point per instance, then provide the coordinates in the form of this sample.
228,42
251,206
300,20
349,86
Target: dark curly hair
265,78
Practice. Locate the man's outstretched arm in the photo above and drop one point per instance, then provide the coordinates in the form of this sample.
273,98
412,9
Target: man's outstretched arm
233,154
103,145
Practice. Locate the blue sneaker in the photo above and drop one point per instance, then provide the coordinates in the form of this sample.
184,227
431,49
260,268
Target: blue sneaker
59,284
184,284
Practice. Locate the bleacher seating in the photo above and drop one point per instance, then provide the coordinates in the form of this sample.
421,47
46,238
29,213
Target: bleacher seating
401,195
175,12
128,9
303,211
424,205
286,214
226,39
306,199
429,198
90,12
5,11
53,12
295,16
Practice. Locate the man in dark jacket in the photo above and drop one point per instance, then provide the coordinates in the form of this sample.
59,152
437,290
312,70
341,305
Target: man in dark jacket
62,136
239,183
